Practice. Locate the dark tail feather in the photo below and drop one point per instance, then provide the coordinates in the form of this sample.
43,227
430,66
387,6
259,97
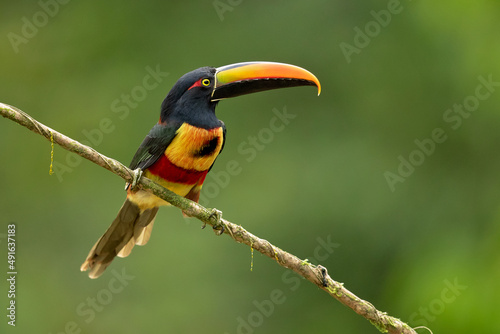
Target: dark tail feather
130,227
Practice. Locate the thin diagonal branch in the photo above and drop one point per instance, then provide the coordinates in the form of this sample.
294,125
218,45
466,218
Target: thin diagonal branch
315,274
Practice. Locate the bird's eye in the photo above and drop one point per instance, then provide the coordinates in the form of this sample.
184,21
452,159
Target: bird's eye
205,82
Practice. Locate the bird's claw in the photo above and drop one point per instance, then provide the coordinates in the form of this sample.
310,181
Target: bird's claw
219,225
136,177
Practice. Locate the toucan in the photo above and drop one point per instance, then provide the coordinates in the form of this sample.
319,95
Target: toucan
182,147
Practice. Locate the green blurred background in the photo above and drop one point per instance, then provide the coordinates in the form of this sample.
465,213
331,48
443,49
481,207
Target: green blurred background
425,250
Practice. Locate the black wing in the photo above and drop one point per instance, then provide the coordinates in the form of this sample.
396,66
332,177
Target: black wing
153,146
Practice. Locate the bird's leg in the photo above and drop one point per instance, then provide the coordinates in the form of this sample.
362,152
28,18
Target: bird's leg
137,174
219,225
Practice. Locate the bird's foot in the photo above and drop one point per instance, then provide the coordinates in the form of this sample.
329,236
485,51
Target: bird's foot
137,174
219,225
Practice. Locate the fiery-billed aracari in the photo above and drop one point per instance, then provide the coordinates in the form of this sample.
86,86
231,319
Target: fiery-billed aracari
180,150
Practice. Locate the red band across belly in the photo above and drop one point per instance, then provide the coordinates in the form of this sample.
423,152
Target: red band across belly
165,169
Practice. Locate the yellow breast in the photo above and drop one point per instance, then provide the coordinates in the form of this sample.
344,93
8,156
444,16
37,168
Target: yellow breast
195,148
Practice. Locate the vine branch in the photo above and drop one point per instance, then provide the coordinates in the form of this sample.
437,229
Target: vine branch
317,275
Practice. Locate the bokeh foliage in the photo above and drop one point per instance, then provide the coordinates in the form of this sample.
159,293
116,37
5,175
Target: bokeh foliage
322,176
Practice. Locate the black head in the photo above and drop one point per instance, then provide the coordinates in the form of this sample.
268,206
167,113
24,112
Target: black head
189,100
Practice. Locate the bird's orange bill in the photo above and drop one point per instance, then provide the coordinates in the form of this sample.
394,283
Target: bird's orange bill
251,77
